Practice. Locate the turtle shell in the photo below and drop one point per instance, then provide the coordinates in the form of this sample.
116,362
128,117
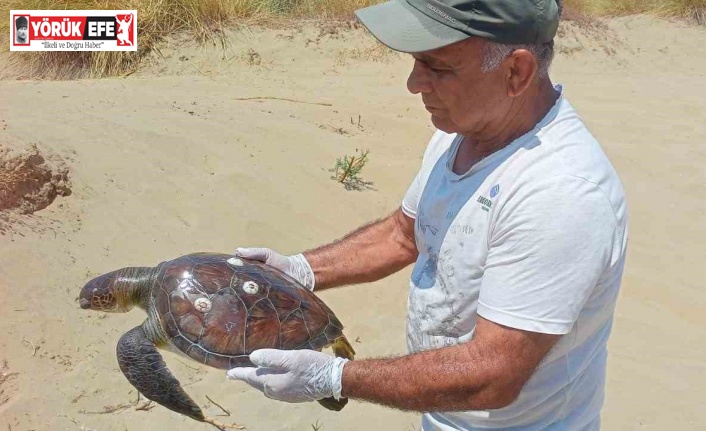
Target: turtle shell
217,309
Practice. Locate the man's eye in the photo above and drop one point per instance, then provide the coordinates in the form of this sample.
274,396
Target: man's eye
431,68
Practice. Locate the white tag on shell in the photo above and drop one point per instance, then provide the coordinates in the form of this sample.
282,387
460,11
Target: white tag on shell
203,305
235,261
250,287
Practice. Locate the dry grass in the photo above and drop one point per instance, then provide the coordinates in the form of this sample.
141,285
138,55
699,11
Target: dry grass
204,20
693,10
374,52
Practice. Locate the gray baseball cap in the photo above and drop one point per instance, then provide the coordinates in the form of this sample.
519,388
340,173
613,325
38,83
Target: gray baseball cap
423,25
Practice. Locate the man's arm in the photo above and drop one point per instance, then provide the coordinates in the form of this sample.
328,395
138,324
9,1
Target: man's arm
487,372
367,254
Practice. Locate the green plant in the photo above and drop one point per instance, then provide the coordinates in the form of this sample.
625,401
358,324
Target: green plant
347,169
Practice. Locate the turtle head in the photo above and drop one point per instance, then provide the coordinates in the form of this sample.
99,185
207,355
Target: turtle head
116,291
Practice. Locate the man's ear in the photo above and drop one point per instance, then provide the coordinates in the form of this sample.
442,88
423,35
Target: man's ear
520,69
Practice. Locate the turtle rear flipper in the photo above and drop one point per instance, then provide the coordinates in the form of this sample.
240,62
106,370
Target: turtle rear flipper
343,349
145,369
332,404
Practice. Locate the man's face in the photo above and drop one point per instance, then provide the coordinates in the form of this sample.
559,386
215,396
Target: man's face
459,95
22,32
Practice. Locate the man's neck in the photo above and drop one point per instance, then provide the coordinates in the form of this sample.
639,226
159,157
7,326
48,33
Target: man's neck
522,117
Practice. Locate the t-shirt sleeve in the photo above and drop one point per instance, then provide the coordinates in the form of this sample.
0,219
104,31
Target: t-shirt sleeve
548,247
437,144
411,198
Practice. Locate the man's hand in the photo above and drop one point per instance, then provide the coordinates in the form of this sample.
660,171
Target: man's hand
368,254
293,376
295,266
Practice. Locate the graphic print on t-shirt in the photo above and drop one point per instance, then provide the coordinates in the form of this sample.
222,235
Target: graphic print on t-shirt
438,306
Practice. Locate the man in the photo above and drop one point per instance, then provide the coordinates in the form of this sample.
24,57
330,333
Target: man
516,224
21,30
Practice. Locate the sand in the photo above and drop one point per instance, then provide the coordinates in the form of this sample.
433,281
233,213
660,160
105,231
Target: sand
171,160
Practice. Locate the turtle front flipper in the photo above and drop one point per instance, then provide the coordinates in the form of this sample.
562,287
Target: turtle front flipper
145,369
343,349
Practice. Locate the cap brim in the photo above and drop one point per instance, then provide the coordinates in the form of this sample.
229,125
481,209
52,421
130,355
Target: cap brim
403,28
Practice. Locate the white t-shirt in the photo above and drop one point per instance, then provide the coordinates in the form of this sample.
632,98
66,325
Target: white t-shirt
532,237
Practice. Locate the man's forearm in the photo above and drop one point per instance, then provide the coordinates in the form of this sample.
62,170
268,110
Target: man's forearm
449,379
367,254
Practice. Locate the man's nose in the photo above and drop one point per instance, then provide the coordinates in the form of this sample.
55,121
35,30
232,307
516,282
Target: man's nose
419,79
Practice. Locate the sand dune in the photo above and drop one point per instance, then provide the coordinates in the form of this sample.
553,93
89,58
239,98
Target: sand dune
179,157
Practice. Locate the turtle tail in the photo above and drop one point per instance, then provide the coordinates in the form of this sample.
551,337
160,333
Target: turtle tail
343,349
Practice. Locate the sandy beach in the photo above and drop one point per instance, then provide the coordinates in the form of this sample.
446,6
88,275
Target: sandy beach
210,148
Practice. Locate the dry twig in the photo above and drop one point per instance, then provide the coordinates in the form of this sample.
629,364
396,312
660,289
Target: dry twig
281,98
108,409
146,406
191,383
78,397
34,348
69,418
218,405
188,366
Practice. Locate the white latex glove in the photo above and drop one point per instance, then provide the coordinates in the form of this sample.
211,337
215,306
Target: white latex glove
294,376
295,266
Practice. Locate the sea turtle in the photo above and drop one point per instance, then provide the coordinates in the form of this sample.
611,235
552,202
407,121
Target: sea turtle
216,309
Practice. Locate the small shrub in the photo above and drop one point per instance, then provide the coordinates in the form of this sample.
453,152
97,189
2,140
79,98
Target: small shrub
347,169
